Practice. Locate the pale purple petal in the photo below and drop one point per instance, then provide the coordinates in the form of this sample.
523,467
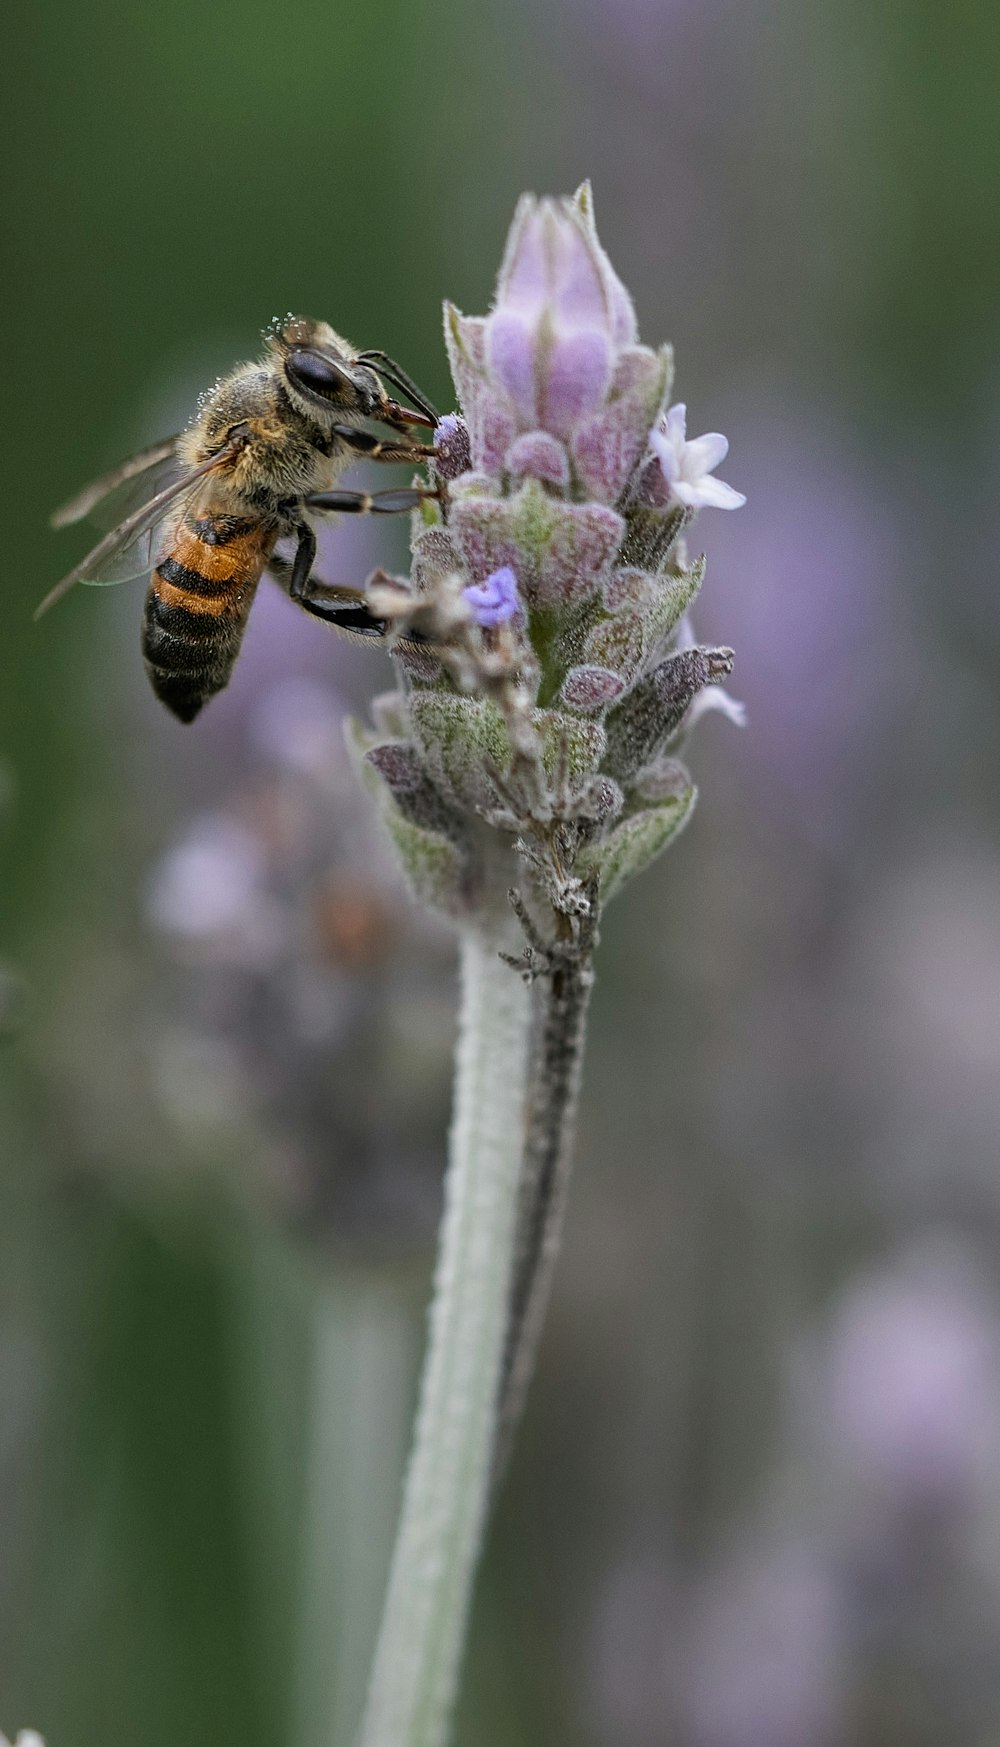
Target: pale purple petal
579,296
577,378
624,327
492,428
525,275
510,348
465,338
560,321
537,455
606,447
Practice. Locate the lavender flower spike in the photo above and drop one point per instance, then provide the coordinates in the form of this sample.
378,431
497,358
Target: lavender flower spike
494,601
687,464
525,777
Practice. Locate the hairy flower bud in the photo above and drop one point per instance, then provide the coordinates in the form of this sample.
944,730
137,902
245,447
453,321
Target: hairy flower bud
640,729
553,380
452,454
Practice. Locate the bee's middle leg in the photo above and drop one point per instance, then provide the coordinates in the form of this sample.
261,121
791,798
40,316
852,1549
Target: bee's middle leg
371,503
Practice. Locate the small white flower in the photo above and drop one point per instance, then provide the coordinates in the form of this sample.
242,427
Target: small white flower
27,1738
688,465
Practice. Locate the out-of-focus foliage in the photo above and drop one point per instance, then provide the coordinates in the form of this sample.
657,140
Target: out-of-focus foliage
757,1490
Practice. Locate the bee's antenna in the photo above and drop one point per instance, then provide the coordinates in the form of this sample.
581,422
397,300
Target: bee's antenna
399,379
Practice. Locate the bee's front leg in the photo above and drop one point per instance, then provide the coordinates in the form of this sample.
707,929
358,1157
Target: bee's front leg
365,444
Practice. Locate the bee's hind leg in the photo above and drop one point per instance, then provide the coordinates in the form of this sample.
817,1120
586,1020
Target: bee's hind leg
341,605
305,558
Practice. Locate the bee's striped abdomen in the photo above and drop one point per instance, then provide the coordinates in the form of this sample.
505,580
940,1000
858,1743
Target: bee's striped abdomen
197,607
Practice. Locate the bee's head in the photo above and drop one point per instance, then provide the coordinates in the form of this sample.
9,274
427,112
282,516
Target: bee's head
322,374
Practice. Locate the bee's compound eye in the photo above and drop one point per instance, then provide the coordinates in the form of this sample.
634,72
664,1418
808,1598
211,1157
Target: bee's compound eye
314,373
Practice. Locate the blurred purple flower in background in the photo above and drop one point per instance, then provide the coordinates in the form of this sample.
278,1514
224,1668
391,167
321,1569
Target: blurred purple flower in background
926,1056
812,580
210,891
913,1380
898,1429
751,1654
297,972
763,1663
627,1678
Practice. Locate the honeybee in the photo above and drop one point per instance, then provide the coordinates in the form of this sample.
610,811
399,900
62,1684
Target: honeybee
256,465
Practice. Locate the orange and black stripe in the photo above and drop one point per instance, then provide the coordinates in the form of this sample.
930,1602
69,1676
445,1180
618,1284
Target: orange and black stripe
197,607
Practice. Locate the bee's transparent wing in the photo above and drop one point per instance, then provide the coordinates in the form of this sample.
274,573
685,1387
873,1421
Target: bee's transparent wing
137,544
159,462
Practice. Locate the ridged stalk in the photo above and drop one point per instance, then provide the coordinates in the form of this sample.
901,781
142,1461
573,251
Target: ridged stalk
557,1068
447,1487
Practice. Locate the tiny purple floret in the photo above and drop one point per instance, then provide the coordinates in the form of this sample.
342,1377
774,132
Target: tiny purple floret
494,601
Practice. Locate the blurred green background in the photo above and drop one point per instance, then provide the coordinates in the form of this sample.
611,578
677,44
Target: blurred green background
756,1502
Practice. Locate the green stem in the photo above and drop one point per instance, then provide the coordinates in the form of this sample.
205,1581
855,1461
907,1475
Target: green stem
557,1068
416,1668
